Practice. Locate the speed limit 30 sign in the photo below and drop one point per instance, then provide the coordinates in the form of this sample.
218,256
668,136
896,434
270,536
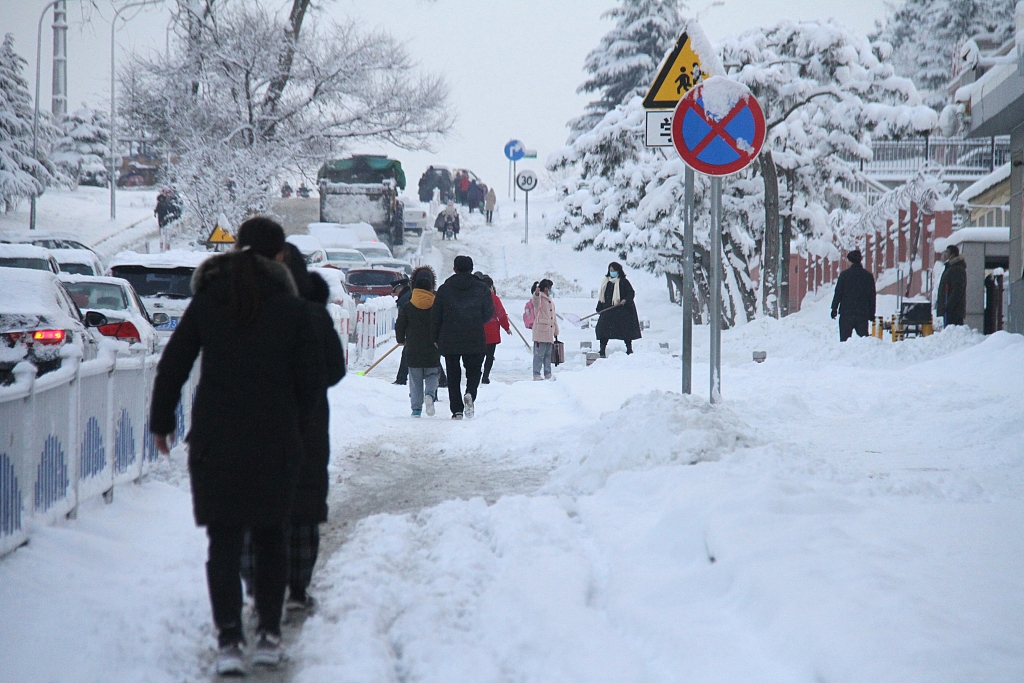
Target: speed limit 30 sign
526,180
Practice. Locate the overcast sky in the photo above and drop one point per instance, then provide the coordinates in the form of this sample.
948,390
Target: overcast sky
513,65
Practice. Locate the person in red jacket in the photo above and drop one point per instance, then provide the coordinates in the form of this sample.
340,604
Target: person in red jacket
493,329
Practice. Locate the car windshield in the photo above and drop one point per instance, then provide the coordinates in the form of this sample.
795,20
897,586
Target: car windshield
23,262
372,278
76,268
98,295
172,283
345,257
374,252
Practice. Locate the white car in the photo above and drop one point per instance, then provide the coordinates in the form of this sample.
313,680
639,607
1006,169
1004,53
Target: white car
163,281
417,217
311,249
78,261
374,250
47,240
392,264
27,256
343,259
38,320
127,318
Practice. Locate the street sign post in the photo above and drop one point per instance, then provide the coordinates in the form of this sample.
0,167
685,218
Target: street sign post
526,180
717,129
514,151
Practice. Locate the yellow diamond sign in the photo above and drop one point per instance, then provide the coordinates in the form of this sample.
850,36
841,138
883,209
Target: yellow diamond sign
690,61
221,236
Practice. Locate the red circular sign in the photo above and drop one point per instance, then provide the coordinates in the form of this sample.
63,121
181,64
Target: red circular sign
718,146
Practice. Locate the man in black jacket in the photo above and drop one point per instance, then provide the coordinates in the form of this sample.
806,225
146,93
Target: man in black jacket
951,300
461,309
854,300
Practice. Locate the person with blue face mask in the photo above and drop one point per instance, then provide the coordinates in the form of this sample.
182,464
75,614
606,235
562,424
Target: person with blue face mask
615,303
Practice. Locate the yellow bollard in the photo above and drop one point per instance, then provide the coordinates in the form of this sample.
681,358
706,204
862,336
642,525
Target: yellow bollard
894,328
926,330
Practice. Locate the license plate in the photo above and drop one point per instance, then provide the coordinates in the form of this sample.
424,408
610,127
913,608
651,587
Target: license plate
170,325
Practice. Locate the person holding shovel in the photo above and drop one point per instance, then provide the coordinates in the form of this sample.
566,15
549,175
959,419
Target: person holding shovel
617,311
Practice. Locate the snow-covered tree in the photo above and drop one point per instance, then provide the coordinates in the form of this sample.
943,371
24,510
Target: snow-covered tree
925,35
626,60
246,82
21,175
82,151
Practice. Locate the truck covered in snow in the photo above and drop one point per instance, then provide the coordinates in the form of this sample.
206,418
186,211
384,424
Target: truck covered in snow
364,188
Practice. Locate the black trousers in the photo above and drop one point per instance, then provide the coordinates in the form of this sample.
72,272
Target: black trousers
225,584
489,360
490,216
473,362
849,323
604,345
403,370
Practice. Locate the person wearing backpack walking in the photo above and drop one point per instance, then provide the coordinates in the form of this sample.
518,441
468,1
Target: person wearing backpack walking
545,330
413,331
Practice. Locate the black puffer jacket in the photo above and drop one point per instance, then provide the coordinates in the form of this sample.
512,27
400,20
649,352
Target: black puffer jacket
413,330
951,301
622,322
257,389
461,309
855,293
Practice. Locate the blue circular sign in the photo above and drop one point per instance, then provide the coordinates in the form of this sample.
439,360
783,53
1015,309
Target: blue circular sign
514,150
717,146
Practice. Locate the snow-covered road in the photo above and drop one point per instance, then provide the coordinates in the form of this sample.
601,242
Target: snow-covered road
849,513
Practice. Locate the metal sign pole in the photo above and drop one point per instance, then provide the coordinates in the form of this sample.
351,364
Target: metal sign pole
514,174
716,290
688,284
526,237
509,177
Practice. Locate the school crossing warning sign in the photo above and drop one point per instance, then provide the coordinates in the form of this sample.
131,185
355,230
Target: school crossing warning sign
690,62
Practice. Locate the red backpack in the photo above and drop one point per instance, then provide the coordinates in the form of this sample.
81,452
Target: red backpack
529,315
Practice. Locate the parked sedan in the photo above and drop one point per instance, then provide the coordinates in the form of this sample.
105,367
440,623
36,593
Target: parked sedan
345,259
78,261
114,297
369,283
38,320
27,256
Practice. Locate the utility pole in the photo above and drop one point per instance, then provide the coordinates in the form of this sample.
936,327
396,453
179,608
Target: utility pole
59,101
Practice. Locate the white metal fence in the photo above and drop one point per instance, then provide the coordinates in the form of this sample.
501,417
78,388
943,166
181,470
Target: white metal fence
375,327
72,435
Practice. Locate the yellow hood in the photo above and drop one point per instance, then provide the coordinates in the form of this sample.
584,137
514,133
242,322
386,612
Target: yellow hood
422,299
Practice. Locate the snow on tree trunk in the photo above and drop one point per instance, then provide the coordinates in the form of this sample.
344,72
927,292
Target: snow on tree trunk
770,243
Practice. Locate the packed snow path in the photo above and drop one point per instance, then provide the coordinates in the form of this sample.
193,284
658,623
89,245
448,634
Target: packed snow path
852,514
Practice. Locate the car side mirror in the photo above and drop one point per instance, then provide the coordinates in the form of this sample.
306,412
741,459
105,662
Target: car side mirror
158,319
95,319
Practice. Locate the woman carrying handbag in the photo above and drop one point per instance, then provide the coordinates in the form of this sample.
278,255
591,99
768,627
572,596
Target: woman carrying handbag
545,330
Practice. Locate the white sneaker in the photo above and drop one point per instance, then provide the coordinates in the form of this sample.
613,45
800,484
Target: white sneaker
268,650
428,404
468,400
231,660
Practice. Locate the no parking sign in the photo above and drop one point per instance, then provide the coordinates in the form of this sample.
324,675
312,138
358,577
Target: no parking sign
719,127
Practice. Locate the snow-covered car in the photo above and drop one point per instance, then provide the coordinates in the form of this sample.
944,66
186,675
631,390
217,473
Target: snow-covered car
311,249
27,256
163,281
417,217
392,264
374,250
78,261
46,240
369,283
38,321
127,317
345,259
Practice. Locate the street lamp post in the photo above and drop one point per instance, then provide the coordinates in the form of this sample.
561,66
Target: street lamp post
113,106
35,111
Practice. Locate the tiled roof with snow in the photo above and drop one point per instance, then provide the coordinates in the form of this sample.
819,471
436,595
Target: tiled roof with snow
986,183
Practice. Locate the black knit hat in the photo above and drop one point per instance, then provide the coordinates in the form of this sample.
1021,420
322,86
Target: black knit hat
854,256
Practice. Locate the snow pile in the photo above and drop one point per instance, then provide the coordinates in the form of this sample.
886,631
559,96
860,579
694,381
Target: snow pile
700,44
721,95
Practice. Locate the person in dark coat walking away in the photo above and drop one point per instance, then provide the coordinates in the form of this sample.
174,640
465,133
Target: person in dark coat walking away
462,307
854,300
619,319
490,200
951,300
493,328
402,291
310,508
413,331
260,375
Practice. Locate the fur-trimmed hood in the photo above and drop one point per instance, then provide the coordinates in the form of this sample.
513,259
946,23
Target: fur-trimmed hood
424,272
219,266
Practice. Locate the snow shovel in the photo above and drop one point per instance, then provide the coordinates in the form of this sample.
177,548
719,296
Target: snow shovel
377,362
520,335
576,320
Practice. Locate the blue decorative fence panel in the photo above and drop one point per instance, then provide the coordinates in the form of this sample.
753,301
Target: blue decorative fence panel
53,443
130,390
10,498
94,429
51,475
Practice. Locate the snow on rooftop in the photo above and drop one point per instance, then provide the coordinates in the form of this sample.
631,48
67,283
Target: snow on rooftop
996,235
986,183
23,290
168,259
73,256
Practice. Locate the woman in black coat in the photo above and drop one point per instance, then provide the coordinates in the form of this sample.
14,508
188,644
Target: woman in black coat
257,388
619,319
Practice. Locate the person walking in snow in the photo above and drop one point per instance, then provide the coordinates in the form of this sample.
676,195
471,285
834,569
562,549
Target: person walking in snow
490,200
462,307
854,299
448,221
545,329
615,303
258,388
951,299
493,329
413,331
402,291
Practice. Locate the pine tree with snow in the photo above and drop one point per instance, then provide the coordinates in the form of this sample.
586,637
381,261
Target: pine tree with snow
626,60
82,151
925,35
21,175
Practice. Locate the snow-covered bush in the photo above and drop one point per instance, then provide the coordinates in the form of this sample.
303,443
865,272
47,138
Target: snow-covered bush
82,151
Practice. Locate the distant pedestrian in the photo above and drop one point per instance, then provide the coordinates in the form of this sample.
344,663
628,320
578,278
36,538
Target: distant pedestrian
428,181
545,329
951,299
618,317
493,329
261,376
462,307
490,200
167,210
854,300
413,331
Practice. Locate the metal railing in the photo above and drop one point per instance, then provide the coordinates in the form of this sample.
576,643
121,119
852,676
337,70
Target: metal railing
956,156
